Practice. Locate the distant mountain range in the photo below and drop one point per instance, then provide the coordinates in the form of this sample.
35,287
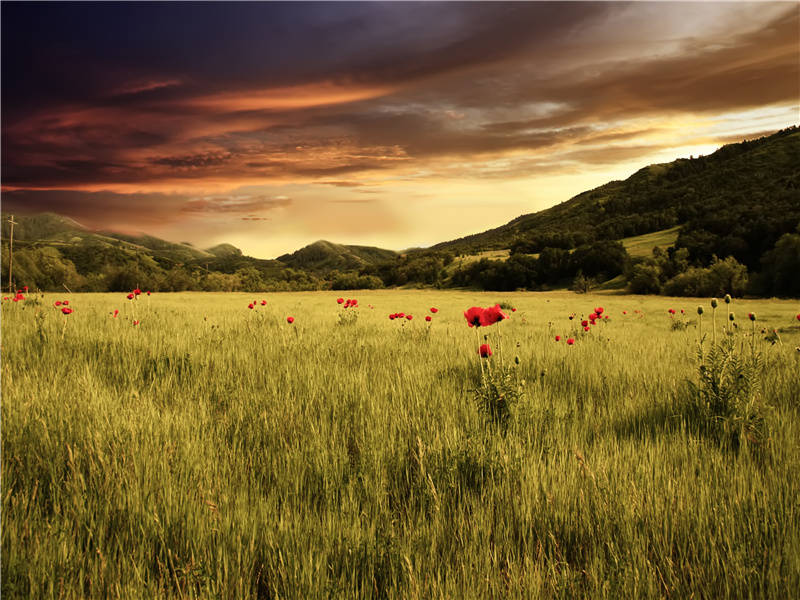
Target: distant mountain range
737,201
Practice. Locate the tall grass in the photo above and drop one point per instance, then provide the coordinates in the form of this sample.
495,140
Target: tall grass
215,451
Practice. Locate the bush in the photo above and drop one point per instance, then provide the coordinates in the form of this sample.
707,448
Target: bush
722,277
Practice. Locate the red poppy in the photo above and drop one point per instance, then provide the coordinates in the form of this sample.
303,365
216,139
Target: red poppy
339,300
428,318
593,316
558,338
571,341
290,320
671,311
400,315
353,302
513,310
130,296
586,328
148,293
492,315
474,316
624,312
66,310
65,303
392,317
136,322
409,317
116,312
434,310
137,291
15,299
250,306
592,322
485,351
606,317
263,303
751,316
57,303
599,310
798,317
683,312
25,288
584,323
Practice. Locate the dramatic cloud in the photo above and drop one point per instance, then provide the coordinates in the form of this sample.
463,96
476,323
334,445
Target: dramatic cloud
135,115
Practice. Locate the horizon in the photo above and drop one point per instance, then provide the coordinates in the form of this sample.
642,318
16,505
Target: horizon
272,126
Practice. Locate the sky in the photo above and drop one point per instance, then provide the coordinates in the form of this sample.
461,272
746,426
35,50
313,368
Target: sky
394,124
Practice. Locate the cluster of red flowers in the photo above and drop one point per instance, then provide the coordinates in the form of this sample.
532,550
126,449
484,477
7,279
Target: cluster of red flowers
347,303
400,315
593,318
254,303
64,304
483,317
20,295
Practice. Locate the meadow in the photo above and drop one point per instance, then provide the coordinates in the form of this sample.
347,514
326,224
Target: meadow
216,451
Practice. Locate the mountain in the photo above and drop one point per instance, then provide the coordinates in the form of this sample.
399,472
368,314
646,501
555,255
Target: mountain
748,192
224,250
327,256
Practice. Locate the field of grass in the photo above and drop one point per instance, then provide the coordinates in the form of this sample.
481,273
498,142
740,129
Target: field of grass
641,246
214,451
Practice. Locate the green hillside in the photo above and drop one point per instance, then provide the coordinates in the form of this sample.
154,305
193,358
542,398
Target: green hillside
325,256
748,193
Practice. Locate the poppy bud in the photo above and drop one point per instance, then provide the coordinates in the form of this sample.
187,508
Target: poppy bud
713,303
699,310
731,317
727,298
751,316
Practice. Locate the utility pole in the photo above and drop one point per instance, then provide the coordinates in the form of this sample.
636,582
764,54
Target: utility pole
11,252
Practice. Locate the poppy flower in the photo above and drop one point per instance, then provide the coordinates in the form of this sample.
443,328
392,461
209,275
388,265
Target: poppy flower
428,318
339,300
434,310
409,317
136,322
15,299
558,338
570,341
65,303
493,314
400,315
683,311
250,306
671,311
474,316
513,310
485,351
599,310
751,316
25,288
129,296
148,293
57,303
392,317
798,317
353,302
137,292
593,316
116,312
584,323
624,312
586,328
66,310
593,322
290,320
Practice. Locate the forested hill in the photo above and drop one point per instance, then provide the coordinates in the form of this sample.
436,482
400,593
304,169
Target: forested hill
737,201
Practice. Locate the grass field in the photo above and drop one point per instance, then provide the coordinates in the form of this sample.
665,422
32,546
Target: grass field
214,451
641,246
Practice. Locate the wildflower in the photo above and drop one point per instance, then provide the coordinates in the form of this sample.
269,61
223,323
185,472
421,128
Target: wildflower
586,328
434,310
593,316
116,312
263,303
474,316
671,311
513,310
136,323
558,338
428,318
409,317
570,341
624,312
250,306
751,316
599,310
57,303
66,310
485,351
392,317
400,315
339,300
129,296
25,288
492,315
584,323
137,292
148,292
592,322
290,320
65,303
